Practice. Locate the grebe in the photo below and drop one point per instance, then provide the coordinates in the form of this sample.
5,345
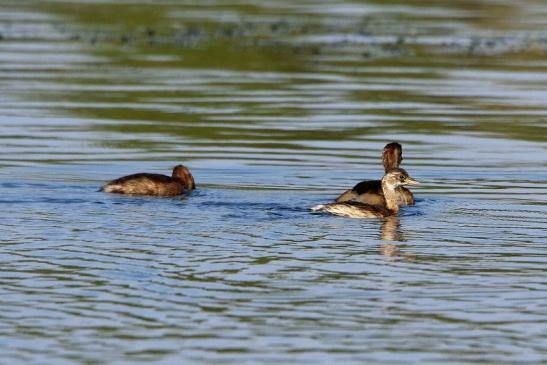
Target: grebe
153,184
370,192
392,180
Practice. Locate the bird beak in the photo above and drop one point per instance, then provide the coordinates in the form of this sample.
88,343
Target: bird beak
411,181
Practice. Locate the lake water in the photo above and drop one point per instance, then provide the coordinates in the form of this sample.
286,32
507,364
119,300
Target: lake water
275,106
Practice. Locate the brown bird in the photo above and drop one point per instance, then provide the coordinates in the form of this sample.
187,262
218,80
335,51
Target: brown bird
390,183
370,191
179,182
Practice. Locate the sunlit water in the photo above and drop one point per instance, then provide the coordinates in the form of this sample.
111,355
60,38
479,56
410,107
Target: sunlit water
275,107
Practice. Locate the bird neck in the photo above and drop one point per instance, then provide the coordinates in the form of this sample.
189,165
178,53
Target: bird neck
390,194
392,156
185,178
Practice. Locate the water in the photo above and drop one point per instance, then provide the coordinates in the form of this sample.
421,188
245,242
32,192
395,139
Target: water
275,106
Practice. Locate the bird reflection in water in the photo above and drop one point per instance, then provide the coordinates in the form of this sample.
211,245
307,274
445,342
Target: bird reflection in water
391,231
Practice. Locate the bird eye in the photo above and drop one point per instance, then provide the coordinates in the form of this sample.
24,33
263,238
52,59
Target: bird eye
402,178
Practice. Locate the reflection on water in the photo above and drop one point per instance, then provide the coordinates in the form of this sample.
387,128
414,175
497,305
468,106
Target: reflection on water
393,252
275,106
391,229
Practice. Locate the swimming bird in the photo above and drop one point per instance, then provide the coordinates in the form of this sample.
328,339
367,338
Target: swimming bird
179,182
392,180
370,191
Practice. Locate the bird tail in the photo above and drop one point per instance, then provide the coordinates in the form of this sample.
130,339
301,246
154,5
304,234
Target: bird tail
318,208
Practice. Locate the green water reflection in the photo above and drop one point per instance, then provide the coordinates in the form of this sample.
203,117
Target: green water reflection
191,70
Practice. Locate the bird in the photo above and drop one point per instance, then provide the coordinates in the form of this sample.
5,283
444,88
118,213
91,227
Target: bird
392,180
181,181
370,191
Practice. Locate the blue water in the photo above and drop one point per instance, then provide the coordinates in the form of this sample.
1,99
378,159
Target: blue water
281,107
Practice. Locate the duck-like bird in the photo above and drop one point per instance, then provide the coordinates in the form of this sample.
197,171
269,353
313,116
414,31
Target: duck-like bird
181,181
390,183
371,192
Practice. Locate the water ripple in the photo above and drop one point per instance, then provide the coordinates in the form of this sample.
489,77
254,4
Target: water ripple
275,107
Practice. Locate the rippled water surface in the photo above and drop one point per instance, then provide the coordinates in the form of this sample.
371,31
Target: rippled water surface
275,106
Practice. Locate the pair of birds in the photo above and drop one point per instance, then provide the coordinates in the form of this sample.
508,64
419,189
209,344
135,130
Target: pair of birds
368,199
376,198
